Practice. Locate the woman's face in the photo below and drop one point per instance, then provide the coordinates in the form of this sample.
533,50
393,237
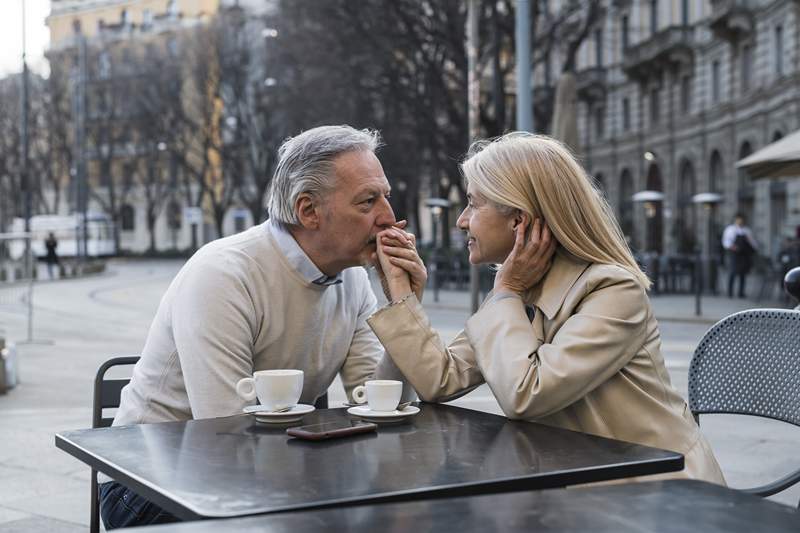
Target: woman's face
490,233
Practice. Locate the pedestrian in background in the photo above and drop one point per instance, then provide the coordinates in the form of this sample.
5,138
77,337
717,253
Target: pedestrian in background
738,240
51,243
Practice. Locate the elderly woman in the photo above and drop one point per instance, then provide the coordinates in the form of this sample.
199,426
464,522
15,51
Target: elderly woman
567,337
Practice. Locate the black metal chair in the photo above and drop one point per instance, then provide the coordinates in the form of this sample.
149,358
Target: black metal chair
107,396
749,363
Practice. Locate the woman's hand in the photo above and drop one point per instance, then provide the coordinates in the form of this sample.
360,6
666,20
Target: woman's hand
529,260
400,264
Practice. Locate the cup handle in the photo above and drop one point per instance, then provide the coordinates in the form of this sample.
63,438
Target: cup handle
246,389
360,394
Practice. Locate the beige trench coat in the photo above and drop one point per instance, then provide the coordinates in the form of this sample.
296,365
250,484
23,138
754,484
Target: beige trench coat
590,361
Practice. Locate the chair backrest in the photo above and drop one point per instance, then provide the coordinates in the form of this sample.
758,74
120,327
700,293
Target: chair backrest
749,363
107,391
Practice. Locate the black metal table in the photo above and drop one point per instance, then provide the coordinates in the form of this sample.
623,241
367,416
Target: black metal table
234,466
656,507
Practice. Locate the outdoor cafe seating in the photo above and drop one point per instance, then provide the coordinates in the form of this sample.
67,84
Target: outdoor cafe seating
450,468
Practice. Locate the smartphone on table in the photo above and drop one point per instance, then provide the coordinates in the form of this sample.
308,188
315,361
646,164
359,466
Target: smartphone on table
331,430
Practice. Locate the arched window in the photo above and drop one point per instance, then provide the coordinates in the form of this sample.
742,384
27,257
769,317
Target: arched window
626,203
777,136
128,217
654,212
686,223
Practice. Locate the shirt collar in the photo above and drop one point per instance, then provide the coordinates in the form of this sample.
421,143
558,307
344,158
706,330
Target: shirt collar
297,258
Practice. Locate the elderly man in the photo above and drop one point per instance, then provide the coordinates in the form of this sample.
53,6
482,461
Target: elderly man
279,295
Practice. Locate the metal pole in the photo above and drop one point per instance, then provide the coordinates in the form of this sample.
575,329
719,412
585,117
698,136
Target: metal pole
524,86
26,178
698,283
80,137
473,110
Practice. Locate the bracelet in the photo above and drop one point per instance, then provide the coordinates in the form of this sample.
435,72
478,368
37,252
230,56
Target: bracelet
403,299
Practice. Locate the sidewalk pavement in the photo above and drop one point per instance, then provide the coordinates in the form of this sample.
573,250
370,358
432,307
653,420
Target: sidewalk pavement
84,321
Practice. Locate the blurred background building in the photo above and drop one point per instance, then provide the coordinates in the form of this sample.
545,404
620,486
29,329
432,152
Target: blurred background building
165,115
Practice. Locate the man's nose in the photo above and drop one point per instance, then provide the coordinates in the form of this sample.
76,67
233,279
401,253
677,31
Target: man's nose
386,216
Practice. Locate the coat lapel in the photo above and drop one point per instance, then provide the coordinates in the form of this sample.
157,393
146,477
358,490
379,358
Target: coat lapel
549,295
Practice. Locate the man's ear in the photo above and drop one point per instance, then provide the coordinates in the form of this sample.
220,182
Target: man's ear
308,213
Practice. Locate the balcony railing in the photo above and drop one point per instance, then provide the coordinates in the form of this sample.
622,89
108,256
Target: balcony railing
731,19
666,49
591,83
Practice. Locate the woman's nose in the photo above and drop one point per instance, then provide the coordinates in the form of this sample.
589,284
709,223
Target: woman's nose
462,221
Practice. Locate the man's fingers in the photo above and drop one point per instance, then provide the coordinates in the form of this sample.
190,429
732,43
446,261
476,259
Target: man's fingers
400,224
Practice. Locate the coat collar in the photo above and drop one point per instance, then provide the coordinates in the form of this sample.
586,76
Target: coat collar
552,291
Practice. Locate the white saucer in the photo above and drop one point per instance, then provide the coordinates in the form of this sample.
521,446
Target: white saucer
268,417
383,416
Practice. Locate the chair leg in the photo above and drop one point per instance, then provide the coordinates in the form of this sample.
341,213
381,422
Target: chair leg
94,518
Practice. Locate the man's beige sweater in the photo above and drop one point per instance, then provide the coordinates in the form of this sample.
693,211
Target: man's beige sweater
240,304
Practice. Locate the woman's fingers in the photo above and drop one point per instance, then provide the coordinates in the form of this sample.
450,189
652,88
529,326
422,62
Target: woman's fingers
412,267
399,251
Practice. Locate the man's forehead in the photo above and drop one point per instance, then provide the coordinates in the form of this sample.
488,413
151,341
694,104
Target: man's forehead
359,171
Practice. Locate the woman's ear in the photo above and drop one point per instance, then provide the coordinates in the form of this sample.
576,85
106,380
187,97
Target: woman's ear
521,217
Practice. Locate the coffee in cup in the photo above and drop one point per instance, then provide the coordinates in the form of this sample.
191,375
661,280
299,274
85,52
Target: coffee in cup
275,389
381,394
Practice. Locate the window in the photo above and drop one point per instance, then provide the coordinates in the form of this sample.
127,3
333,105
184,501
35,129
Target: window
123,18
600,121
172,46
598,47
779,50
685,12
686,94
172,8
76,26
715,82
655,106
127,214
653,17
104,65
624,31
147,18
626,114
747,66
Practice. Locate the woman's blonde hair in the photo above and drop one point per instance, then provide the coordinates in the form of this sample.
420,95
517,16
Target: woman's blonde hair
539,176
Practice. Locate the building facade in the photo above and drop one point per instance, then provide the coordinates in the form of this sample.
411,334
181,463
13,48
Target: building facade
149,200
672,93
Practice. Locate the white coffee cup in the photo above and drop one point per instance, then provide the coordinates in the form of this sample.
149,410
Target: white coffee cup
275,389
382,394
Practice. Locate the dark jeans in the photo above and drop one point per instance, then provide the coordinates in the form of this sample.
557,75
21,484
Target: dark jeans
732,279
120,507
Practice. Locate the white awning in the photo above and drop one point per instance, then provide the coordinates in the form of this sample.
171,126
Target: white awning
780,159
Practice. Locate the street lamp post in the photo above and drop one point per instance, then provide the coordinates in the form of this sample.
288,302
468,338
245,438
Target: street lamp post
707,200
650,201
437,207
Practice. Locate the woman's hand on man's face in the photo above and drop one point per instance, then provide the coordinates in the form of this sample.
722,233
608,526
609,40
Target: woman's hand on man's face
529,260
401,265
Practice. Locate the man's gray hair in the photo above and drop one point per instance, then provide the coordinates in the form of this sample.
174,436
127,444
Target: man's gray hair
305,165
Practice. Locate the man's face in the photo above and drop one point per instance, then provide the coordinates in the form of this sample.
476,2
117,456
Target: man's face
357,209
739,221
